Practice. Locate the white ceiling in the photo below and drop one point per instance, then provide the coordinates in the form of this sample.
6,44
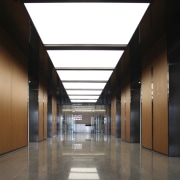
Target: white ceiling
85,23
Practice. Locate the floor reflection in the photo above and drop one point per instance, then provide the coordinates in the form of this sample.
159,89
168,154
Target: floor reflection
87,156
83,173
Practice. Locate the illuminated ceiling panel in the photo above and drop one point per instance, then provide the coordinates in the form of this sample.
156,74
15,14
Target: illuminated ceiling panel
72,85
83,97
72,24
94,75
86,23
79,59
82,100
84,92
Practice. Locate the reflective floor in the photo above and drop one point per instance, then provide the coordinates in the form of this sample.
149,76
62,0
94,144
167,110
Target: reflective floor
86,156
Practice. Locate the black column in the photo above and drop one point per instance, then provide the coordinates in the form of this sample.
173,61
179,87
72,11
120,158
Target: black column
135,115
33,76
173,39
118,119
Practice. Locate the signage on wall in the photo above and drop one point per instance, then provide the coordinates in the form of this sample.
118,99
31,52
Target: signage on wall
77,117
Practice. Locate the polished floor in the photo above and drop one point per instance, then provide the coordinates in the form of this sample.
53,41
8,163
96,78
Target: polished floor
86,156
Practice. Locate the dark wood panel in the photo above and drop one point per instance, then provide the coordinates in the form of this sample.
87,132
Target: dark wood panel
49,116
123,116
118,119
16,26
128,94
19,106
113,116
40,114
160,102
13,95
45,113
145,29
54,116
146,108
5,99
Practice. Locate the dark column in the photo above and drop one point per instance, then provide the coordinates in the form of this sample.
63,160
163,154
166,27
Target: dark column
50,92
118,119
33,84
135,116
174,74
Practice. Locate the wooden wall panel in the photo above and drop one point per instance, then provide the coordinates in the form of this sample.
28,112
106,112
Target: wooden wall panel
19,106
146,108
45,113
13,23
13,95
54,115
123,116
160,102
40,114
155,72
5,100
128,94
113,116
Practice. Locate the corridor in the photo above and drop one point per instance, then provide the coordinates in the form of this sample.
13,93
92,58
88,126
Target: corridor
87,156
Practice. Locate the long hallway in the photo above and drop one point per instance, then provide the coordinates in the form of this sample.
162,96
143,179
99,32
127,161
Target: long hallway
87,156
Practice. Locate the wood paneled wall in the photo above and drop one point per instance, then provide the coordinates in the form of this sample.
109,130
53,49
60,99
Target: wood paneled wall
125,97
42,119
13,95
40,114
54,104
155,98
113,116
146,92
42,93
54,116
125,114
113,103
160,98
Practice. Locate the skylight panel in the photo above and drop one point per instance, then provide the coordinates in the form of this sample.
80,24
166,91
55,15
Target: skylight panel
93,59
71,75
86,23
83,101
83,92
83,97
68,85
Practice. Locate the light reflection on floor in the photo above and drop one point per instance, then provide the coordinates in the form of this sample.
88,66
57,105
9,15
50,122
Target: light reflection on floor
87,156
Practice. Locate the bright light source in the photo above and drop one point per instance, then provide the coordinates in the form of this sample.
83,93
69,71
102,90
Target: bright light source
83,170
83,97
69,85
101,59
83,92
83,101
83,173
93,75
86,23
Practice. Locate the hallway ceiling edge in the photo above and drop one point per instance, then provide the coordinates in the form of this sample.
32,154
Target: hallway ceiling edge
84,1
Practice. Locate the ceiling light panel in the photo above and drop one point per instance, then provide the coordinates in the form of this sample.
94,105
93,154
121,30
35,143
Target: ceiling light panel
83,101
86,23
83,97
68,85
83,92
75,75
79,59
